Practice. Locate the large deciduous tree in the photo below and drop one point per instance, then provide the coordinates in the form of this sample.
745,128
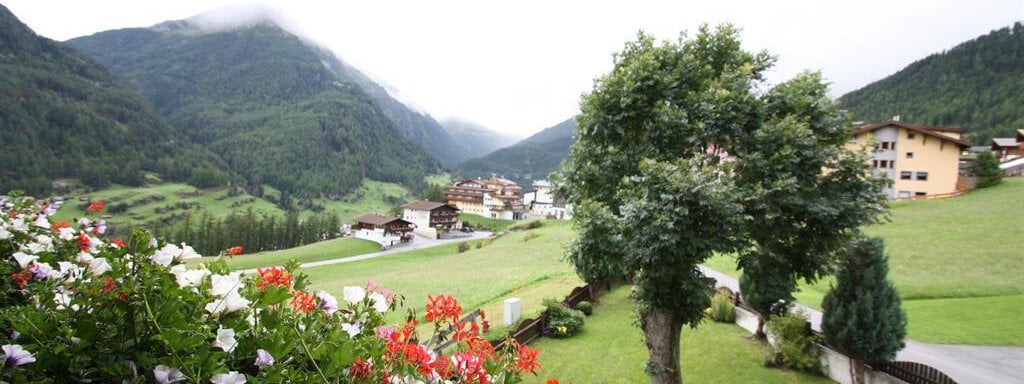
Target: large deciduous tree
863,316
660,180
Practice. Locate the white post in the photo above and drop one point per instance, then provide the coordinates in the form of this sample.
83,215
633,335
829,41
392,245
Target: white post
513,309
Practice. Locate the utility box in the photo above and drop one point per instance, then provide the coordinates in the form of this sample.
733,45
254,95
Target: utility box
513,310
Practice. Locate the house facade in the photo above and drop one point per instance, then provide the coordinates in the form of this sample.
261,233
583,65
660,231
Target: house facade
431,218
919,160
387,231
496,198
1009,148
540,200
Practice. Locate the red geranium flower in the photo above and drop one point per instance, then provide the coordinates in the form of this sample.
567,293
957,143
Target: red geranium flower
443,307
527,359
83,242
108,284
235,251
58,225
20,278
275,276
96,206
303,302
118,241
360,368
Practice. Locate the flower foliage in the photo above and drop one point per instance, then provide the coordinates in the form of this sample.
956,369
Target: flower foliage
75,307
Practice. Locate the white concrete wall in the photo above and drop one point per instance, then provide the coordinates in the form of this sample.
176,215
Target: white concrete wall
418,217
377,236
836,366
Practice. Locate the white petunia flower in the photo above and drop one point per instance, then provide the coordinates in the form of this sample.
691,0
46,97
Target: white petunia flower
167,375
66,233
228,378
19,225
354,295
68,271
169,252
99,266
189,277
84,258
5,234
161,258
187,252
62,298
46,242
225,284
380,302
353,329
225,340
42,221
227,304
24,260
34,247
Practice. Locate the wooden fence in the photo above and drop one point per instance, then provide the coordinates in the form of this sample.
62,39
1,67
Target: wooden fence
915,373
531,329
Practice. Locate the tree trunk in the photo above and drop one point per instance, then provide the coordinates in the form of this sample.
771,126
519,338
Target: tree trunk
856,371
759,332
662,330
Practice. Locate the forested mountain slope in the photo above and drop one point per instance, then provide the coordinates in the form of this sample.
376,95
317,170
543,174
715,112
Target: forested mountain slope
272,105
533,158
63,115
977,85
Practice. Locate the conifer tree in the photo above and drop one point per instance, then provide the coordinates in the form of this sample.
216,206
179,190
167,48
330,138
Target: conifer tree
986,169
863,317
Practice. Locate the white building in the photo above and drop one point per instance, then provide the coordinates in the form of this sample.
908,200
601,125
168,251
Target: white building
431,218
384,230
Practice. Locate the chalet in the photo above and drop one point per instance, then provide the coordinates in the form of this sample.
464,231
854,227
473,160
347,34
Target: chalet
540,200
384,230
431,218
1009,148
494,197
920,160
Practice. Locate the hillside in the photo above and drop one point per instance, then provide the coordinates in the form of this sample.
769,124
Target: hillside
978,85
477,139
530,159
64,116
273,106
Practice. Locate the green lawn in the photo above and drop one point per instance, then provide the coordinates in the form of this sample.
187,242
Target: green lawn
968,248
476,277
480,222
610,349
324,250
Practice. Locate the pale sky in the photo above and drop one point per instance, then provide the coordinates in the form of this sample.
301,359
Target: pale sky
520,66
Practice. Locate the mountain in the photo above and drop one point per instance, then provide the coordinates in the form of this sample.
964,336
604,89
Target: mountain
533,158
476,138
277,108
63,115
977,85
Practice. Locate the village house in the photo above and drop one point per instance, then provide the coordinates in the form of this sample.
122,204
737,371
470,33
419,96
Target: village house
384,230
540,200
496,198
431,218
1009,148
920,160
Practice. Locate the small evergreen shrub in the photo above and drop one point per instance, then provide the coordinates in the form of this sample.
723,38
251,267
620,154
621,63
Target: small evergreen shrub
562,322
527,226
586,307
530,236
722,310
463,247
794,345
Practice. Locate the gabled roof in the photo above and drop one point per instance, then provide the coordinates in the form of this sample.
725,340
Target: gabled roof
375,219
926,130
426,205
1005,142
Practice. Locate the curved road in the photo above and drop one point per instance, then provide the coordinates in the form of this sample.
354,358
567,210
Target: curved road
967,364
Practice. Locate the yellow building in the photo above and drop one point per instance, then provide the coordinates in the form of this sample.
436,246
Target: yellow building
920,161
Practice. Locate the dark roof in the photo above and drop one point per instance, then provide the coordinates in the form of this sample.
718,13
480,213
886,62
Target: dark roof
927,130
375,219
427,205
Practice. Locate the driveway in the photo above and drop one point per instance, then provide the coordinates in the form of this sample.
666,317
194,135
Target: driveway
967,364
419,242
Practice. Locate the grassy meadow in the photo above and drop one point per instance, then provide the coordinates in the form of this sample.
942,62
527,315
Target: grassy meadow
957,263
324,250
610,349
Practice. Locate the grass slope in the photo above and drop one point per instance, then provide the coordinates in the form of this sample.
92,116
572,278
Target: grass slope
324,250
476,277
953,261
610,349
486,223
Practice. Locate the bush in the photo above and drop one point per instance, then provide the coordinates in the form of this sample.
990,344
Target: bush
722,310
463,247
530,236
78,307
562,322
986,168
527,226
794,346
585,307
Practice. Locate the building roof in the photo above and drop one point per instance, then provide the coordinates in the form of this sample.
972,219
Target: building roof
375,219
926,130
1007,142
541,184
426,205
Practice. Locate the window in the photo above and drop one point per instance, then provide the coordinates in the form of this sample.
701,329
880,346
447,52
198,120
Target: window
874,163
892,164
906,175
911,135
910,155
885,145
922,176
904,194
920,194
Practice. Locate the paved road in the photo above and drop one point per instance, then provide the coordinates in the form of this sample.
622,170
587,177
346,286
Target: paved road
967,364
419,242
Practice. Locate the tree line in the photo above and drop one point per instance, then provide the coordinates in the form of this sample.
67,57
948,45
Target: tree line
255,232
